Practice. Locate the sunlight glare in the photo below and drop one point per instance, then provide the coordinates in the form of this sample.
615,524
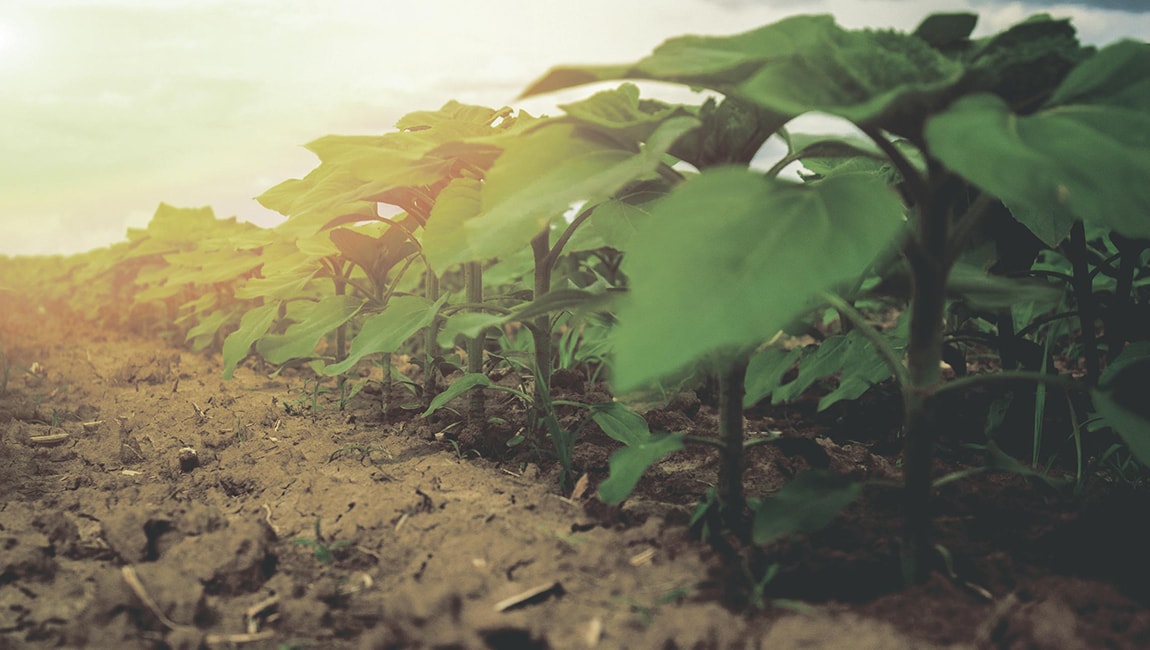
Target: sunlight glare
13,45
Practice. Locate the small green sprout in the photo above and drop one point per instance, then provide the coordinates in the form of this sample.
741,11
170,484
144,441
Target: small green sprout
324,550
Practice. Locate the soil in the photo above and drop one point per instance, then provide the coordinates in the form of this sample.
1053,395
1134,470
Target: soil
146,503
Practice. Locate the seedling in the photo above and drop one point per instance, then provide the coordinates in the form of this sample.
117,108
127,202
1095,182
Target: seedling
324,550
646,613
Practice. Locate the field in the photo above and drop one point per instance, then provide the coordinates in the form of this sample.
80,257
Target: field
618,378
422,542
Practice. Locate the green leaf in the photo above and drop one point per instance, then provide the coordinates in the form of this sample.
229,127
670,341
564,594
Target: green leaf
880,78
444,238
1115,76
620,114
942,31
805,505
627,465
254,324
376,255
457,388
732,132
616,220
209,325
1023,64
562,300
1074,162
300,338
621,423
730,257
717,62
643,449
541,174
851,355
1121,398
797,65
468,324
981,290
388,330
327,193
765,372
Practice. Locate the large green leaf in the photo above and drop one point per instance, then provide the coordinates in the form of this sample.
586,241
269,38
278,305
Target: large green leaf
621,423
444,237
457,388
469,324
1088,162
881,78
732,132
718,62
616,220
254,324
544,172
207,327
620,114
797,65
1115,76
805,505
1121,399
327,193
943,31
389,329
1023,64
730,257
643,449
300,338
626,465
765,372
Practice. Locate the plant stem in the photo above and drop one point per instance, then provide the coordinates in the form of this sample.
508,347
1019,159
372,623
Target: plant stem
1075,249
430,386
541,332
473,273
553,254
340,285
926,255
1010,377
731,457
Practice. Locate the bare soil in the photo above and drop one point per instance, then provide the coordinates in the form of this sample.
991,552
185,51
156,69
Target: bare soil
146,503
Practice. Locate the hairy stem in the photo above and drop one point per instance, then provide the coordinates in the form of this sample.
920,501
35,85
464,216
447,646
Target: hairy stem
926,255
473,273
541,332
1075,250
430,385
731,456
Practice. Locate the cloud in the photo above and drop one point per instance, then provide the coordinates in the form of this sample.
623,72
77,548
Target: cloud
1130,6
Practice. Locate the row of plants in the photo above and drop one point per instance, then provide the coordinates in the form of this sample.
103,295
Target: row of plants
993,192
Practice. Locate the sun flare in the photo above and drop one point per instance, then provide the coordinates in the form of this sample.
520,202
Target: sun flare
13,44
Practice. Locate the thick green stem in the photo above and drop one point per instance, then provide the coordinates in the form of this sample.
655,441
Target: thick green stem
731,455
430,385
1118,318
1084,295
340,286
473,273
926,255
541,332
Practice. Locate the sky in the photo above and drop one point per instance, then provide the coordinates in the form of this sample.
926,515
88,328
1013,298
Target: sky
109,107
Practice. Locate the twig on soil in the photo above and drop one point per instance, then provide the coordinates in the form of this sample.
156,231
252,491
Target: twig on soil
530,597
50,440
137,587
268,519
